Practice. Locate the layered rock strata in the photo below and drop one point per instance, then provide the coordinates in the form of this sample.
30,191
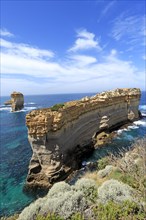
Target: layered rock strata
16,102
60,138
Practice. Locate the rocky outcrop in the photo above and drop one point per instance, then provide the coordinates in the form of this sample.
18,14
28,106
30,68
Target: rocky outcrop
16,102
60,138
9,102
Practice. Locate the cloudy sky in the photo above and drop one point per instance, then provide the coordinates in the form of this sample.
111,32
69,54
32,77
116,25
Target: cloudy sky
72,46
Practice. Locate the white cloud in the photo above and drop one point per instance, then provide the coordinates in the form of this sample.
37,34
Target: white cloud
85,40
131,27
144,57
25,68
24,50
5,33
83,60
107,8
71,77
16,64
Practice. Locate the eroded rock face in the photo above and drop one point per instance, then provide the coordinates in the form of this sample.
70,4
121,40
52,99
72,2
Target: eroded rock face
60,138
16,102
17,99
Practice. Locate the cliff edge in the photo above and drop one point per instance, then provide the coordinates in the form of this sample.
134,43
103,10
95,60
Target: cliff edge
59,136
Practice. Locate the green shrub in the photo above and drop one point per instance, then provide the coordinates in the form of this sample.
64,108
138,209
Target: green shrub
124,177
128,179
103,162
115,191
57,107
88,187
77,216
32,211
66,204
60,187
116,174
114,211
49,217
62,199
13,217
105,172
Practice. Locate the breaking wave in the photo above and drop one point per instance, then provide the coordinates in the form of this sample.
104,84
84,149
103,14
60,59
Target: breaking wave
140,123
8,109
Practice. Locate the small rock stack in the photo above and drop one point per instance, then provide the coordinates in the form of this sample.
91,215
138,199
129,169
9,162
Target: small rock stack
16,102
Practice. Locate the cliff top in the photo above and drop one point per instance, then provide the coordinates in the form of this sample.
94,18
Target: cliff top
103,96
16,94
41,121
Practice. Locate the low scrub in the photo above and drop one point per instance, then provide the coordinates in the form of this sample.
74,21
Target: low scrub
114,211
103,162
66,204
131,167
117,193
113,190
88,188
57,107
63,200
110,211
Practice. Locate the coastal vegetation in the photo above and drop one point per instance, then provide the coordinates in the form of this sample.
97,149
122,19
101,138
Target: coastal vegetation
57,107
115,191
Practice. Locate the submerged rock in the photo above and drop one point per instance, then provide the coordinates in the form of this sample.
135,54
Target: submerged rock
60,138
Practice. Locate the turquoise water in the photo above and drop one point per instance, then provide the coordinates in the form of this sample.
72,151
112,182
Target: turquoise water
15,151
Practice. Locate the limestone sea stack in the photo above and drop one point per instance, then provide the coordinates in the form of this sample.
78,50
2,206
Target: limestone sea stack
59,136
16,102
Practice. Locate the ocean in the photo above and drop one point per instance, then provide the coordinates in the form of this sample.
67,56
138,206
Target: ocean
15,150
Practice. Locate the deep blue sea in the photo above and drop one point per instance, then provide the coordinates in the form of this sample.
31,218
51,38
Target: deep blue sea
15,151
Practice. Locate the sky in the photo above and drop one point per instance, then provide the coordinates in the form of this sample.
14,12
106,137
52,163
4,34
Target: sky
53,47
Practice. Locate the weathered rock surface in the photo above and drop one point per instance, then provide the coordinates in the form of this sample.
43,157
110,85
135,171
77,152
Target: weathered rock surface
16,102
60,138
9,102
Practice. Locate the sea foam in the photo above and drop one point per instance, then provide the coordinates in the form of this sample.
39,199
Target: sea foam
5,108
8,109
142,107
140,123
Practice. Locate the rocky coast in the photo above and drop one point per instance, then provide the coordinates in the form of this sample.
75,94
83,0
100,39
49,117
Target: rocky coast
61,135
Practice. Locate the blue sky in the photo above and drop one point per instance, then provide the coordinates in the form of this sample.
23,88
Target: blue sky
72,46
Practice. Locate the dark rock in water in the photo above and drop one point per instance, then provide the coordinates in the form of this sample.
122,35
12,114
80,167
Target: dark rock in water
16,102
140,114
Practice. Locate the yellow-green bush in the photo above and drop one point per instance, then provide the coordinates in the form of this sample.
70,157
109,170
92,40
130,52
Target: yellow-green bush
114,211
115,191
88,188
57,107
103,162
